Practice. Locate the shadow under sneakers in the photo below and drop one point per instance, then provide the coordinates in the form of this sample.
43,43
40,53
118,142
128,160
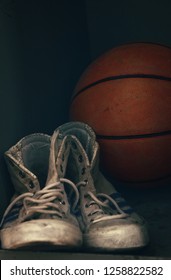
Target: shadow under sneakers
39,213
108,224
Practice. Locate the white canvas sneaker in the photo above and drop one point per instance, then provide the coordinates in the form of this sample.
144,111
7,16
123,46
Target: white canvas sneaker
107,222
39,213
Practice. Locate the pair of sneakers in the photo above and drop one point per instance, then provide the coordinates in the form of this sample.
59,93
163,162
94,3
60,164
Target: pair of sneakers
62,199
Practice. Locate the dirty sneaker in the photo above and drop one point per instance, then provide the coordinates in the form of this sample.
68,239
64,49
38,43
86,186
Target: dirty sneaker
107,222
39,213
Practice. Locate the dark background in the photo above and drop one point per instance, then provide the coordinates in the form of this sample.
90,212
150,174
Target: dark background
44,47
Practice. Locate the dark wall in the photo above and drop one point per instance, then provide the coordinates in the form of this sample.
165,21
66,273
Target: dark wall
112,22
43,50
11,106
55,51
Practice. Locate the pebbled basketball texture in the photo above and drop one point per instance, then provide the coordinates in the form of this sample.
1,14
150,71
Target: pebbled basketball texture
125,96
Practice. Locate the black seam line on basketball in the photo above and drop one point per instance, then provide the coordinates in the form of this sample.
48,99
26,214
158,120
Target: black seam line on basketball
127,76
120,137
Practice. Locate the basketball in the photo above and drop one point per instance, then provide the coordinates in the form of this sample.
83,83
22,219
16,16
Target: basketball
125,96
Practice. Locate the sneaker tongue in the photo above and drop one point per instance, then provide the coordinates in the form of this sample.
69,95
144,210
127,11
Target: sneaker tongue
52,176
59,151
84,150
84,134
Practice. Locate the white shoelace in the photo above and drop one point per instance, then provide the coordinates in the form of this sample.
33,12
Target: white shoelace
100,206
44,200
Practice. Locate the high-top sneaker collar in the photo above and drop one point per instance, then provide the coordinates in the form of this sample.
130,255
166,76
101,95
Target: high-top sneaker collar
87,145
85,135
36,161
27,162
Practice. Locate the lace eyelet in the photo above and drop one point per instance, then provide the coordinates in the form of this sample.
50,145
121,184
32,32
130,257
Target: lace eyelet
89,214
61,201
31,185
80,158
22,174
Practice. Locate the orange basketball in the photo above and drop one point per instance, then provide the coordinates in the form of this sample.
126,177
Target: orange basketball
125,96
